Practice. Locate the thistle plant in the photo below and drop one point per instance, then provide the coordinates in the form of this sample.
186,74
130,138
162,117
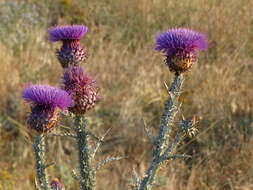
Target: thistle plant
84,92
180,47
79,93
46,103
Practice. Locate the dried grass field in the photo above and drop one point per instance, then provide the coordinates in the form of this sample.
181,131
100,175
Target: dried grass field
131,75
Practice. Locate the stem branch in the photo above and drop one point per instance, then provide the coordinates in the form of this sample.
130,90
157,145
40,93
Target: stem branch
170,110
87,173
39,151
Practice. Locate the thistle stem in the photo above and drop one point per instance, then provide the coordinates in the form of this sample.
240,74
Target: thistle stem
39,151
168,116
87,173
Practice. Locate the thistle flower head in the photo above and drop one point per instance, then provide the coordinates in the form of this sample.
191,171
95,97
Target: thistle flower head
76,76
180,47
45,101
47,96
71,53
82,88
61,33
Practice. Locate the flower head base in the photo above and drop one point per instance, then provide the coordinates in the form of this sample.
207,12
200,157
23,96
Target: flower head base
82,88
56,184
71,53
45,104
180,47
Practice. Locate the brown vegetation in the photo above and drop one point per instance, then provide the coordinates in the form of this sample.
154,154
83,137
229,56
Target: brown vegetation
219,89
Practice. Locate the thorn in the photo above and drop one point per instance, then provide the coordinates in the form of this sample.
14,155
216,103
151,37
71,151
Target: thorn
108,130
95,149
48,165
174,156
107,160
148,132
171,95
136,179
63,135
195,120
166,86
95,137
37,185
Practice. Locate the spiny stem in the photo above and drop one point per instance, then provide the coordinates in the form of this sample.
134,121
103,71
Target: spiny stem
87,173
170,110
39,150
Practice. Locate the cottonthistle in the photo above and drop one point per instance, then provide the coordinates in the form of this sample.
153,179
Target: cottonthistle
45,104
71,53
82,88
180,47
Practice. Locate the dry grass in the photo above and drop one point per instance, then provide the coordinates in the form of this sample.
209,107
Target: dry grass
120,42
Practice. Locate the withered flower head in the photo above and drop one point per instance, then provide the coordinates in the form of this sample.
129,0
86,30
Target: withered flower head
82,88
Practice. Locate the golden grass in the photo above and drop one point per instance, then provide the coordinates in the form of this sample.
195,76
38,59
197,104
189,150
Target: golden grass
131,74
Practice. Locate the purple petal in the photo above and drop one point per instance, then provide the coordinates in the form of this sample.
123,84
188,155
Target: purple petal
180,39
47,95
74,32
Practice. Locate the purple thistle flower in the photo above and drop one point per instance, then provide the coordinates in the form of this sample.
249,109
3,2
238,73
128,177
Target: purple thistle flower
47,95
61,33
82,88
44,101
71,53
180,47
56,184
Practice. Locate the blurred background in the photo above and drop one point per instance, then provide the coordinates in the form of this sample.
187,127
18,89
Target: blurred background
218,90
